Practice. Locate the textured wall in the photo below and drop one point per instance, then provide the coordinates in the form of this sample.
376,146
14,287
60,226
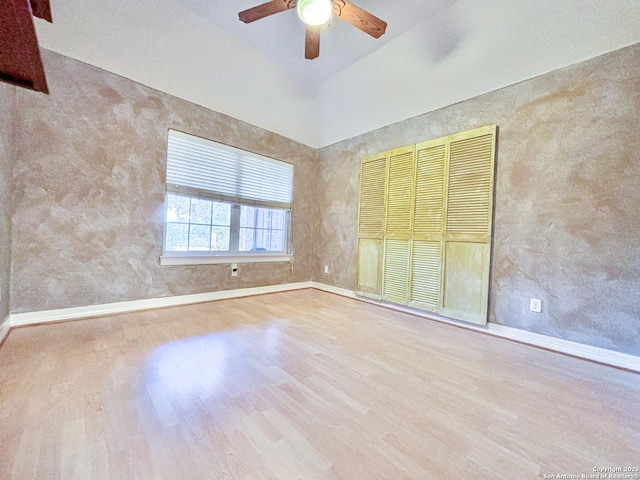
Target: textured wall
89,192
567,214
7,96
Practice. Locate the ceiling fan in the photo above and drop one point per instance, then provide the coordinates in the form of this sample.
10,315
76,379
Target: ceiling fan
315,14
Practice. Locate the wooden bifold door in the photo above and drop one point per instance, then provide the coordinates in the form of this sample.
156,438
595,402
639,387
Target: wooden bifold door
425,224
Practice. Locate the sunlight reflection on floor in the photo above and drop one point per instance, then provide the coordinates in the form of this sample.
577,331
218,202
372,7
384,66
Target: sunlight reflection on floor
181,373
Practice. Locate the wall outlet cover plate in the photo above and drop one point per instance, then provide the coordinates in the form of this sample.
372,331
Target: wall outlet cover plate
535,305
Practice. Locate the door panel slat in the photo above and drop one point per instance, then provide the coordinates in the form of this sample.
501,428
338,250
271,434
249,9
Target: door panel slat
372,183
426,273
429,196
469,188
396,270
399,192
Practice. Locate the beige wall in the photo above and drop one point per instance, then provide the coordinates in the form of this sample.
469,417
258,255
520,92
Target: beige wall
89,192
567,213
7,95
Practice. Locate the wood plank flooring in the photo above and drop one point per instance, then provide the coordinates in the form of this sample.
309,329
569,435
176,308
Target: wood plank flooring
302,385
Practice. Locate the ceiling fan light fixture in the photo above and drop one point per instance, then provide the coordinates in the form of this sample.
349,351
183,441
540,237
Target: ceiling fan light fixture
314,12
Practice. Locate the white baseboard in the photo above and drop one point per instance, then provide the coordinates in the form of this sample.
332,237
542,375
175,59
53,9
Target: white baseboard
77,313
596,354
600,355
331,289
5,326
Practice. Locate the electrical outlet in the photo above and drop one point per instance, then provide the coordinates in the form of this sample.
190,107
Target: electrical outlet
326,269
234,269
535,305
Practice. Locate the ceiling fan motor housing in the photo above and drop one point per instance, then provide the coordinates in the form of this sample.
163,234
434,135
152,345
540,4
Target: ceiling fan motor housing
314,12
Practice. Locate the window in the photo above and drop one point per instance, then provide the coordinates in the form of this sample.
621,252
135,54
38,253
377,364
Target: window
224,204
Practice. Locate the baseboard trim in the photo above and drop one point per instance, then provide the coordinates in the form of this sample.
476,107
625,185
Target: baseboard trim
90,311
5,326
587,352
566,347
331,289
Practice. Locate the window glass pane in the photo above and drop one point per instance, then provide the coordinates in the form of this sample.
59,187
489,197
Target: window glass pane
254,240
177,237
221,213
277,240
258,240
200,211
199,238
263,218
247,216
220,239
278,219
254,217
262,239
262,229
177,208
247,240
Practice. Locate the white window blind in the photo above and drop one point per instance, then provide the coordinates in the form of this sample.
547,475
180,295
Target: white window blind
196,166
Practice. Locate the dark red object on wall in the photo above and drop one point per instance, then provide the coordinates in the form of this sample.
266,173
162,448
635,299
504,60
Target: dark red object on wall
20,62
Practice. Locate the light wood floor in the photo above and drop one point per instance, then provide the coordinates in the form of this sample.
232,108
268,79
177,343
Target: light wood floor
302,385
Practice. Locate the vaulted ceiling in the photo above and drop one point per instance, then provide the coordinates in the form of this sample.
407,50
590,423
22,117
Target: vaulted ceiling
435,53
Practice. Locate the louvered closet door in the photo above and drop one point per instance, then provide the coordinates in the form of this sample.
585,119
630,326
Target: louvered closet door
426,263
371,226
467,240
399,218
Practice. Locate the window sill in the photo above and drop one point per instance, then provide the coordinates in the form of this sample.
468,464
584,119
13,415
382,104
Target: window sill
219,259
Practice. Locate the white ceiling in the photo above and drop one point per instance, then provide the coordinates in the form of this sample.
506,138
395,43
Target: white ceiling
435,53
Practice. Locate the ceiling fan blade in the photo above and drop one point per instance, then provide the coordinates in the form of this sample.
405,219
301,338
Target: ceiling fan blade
266,9
312,43
41,9
359,18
